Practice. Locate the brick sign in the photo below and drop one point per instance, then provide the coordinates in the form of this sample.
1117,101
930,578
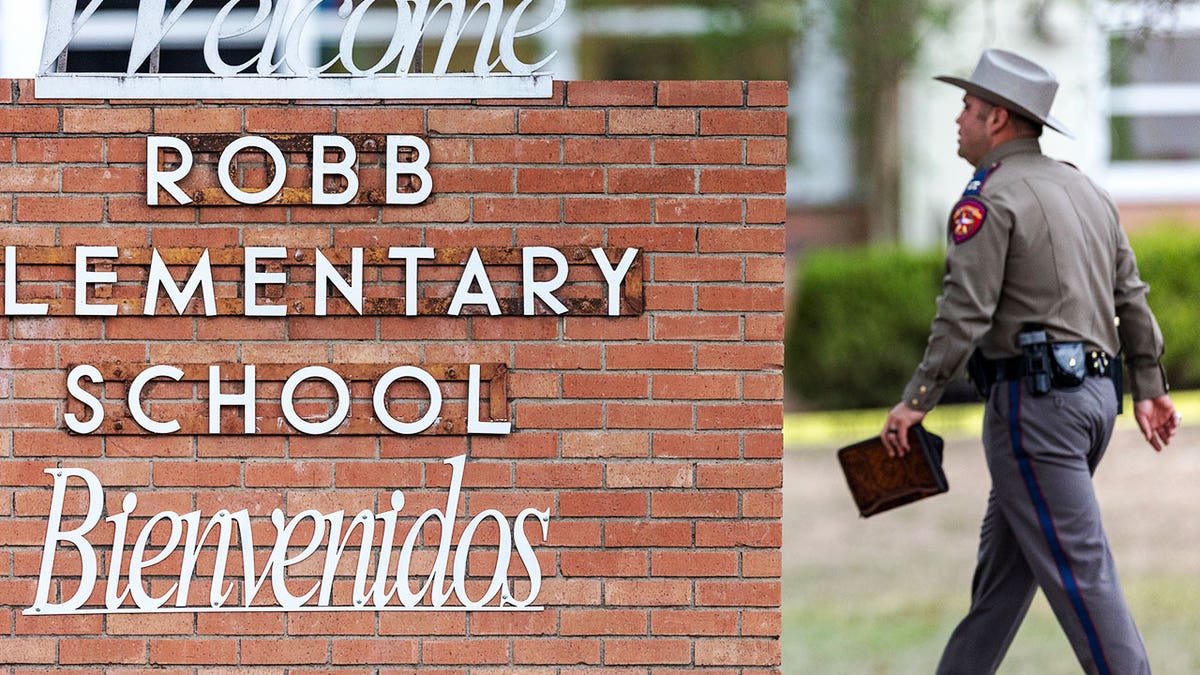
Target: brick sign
467,385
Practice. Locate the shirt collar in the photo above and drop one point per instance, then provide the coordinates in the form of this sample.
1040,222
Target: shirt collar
1013,147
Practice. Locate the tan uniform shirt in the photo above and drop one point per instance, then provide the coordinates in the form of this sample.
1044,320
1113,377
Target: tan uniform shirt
1033,240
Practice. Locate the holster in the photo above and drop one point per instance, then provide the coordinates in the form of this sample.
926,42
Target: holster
1036,364
978,373
1063,365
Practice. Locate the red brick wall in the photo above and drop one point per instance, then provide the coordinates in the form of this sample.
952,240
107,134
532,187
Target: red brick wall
653,438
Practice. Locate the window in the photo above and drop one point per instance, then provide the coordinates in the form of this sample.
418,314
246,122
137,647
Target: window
1155,114
1154,106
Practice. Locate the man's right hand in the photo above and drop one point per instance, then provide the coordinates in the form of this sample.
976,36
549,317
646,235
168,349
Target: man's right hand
895,429
1157,419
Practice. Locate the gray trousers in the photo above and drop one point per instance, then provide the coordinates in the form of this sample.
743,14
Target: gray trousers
1042,530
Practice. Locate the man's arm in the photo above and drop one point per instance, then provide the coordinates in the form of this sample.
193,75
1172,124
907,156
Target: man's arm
1142,343
1141,340
970,293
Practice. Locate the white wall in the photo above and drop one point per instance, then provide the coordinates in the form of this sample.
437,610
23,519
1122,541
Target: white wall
22,25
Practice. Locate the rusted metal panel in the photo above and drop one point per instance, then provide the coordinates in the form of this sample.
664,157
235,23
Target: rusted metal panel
118,424
498,379
378,255
279,372
633,293
288,196
192,411
372,307
208,147
298,295
363,143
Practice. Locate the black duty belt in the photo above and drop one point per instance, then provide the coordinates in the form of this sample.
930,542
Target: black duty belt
1059,365
1097,363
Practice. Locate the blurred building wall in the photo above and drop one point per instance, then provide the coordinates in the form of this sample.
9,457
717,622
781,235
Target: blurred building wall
22,23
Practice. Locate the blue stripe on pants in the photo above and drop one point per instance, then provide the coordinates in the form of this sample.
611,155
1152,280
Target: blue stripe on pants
1048,528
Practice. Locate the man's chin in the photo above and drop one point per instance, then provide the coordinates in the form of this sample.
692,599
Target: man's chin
972,160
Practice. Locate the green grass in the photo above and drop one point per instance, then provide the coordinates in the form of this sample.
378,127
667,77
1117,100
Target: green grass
903,632
825,429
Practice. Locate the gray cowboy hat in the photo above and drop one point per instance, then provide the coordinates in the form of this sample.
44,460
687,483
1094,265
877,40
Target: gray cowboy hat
1013,82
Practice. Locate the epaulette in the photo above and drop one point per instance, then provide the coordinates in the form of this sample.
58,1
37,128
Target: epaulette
976,185
1063,161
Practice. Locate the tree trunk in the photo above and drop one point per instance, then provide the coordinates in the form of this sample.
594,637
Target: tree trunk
880,164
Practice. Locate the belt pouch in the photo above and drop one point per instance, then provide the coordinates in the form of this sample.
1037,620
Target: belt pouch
1068,364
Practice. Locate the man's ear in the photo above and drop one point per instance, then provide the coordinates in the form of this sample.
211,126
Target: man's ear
997,119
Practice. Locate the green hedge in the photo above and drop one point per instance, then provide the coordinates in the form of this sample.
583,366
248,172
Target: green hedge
1169,260
860,318
859,324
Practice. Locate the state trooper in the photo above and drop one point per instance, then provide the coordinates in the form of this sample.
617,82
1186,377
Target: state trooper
1041,294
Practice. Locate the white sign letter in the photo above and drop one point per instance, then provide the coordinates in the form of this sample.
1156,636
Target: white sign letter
474,426
273,153
474,272
160,277
542,289
462,552
614,277
344,168
216,400
157,178
508,36
212,55
61,27
138,562
279,560
83,277
135,399
528,557
289,407
380,403
353,291
253,278
11,306
150,29
54,535
411,255
87,399
418,168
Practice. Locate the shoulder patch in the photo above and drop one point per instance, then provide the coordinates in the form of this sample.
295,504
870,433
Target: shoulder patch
966,220
976,185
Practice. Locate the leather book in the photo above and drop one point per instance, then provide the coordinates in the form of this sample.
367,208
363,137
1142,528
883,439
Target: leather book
879,483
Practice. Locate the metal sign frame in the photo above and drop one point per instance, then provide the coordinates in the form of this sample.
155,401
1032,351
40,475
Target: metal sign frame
280,71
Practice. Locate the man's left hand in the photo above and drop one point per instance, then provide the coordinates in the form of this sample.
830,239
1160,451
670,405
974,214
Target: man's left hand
895,430
1157,419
